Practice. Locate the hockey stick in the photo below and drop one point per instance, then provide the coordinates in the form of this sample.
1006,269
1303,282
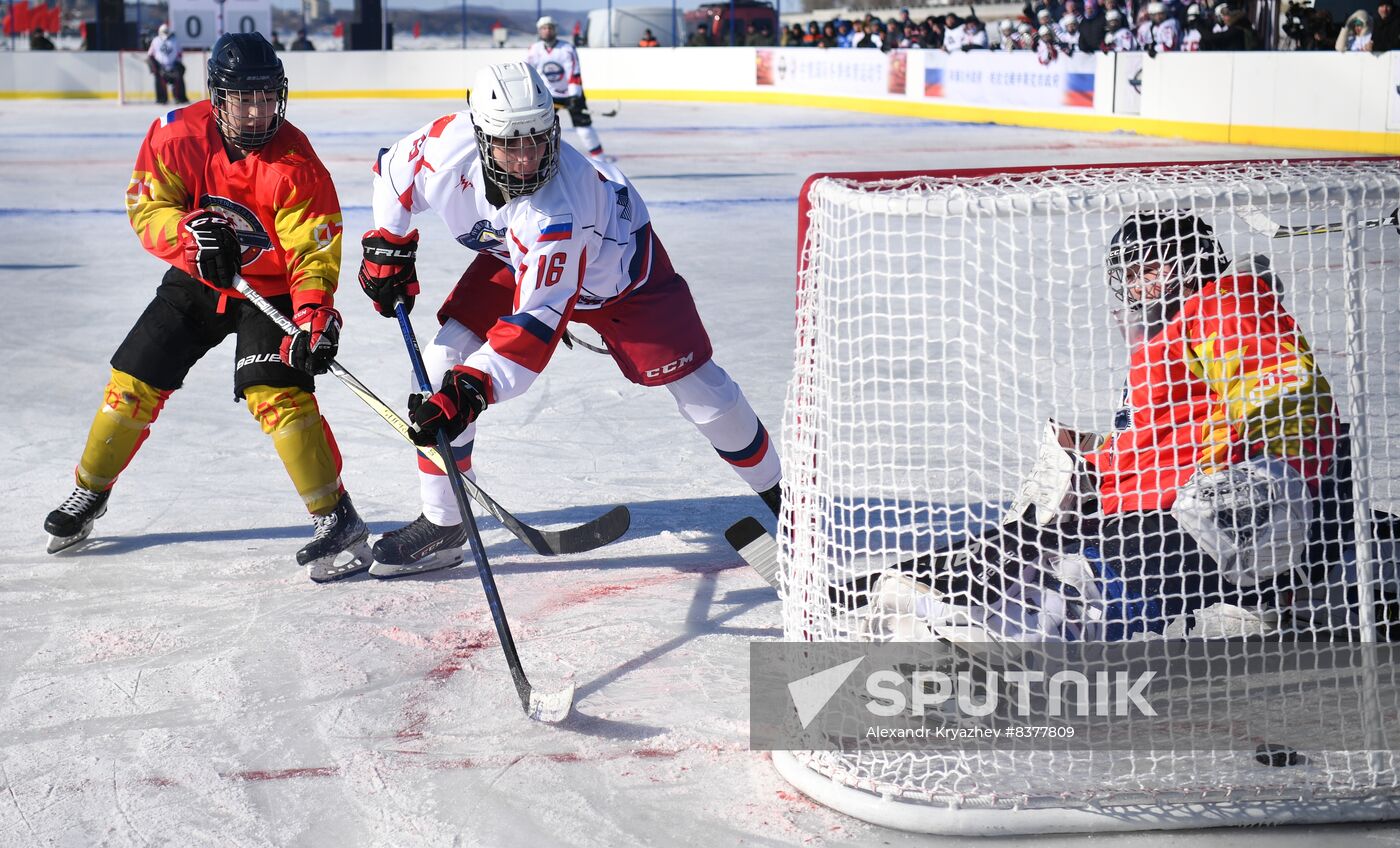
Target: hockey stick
612,113
1264,225
542,706
572,540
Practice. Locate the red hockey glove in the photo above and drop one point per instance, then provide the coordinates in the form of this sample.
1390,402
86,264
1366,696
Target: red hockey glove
211,247
459,402
316,342
387,272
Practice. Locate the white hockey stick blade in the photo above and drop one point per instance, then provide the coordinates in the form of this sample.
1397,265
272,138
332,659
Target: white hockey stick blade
551,707
756,546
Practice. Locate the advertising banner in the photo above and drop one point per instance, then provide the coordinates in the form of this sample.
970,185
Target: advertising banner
836,72
1017,79
1392,92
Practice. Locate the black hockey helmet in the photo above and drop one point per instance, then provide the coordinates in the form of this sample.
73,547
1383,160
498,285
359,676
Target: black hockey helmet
247,88
1178,245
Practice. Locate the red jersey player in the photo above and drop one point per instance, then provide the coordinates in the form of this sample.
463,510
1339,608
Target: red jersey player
222,188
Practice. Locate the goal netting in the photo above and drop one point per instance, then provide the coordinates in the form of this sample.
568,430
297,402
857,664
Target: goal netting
943,318
136,84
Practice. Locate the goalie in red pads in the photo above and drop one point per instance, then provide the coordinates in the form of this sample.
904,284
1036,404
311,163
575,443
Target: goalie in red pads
1203,513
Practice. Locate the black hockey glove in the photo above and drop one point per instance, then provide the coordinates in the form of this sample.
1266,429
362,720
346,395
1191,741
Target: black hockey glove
455,406
211,247
316,342
387,273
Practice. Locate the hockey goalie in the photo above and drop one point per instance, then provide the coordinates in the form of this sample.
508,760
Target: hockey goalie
1218,506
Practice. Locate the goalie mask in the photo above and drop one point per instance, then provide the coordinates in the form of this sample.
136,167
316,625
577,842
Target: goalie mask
247,89
1157,257
517,131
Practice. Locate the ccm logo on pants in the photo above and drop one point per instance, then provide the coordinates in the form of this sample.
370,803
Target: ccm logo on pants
672,367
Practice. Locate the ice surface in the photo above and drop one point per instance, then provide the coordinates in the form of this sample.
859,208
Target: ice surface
181,682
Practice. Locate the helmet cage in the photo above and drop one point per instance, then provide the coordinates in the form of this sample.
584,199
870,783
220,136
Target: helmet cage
245,76
517,185
1179,246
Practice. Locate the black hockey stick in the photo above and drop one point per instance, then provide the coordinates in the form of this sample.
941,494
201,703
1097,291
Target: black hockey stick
1263,224
593,534
541,706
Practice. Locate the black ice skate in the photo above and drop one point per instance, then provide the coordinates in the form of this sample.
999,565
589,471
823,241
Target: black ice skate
418,547
340,531
72,521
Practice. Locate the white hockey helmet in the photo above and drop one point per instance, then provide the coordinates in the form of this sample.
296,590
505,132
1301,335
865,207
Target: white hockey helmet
1044,32
1156,8
1112,15
517,131
545,21
1005,25
1069,21
1193,12
1043,16
1024,28
164,29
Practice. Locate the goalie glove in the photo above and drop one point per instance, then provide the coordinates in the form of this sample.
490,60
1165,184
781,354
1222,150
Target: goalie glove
450,410
1253,518
316,342
387,272
211,247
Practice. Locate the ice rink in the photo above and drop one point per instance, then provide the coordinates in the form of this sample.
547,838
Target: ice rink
180,681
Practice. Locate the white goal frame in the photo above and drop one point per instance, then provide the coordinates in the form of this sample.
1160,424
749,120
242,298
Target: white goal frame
827,779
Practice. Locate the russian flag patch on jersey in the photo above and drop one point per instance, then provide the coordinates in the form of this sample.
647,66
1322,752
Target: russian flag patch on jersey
559,228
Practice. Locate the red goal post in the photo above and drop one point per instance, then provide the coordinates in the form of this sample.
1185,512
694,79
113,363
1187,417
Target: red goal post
942,317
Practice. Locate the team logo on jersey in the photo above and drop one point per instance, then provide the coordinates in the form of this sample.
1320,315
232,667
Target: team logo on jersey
325,233
251,233
552,72
482,237
624,200
464,183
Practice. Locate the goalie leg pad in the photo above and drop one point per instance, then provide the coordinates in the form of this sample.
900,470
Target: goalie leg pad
129,408
1059,483
303,440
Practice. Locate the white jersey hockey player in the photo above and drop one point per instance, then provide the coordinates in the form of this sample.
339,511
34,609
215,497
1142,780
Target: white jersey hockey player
557,62
1119,38
559,238
1166,32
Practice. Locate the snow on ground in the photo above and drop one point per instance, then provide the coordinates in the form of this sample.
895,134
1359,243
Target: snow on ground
181,682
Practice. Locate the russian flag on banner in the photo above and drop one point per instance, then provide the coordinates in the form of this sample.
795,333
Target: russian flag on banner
559,228
1079,90
933,82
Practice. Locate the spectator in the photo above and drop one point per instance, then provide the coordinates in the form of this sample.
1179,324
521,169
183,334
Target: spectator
1118,37
829,37
1385,35
699,38
579,40
866,37
952,33
845,36
1355,37
1166,32
974,37
1092,28
39,41
648,40
813,36
756,37
1309,28
301,42
165,59
933,38
499,34
1007,30
1069,44
1238,34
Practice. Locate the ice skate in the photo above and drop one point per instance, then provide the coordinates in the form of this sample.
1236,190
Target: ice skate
418,547
340,547
72,521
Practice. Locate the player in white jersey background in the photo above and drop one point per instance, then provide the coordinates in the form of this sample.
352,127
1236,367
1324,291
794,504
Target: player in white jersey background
557,63
559,238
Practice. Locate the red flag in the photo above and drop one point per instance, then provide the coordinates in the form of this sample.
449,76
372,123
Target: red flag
339,31
417,28
53,20
20,21
7,25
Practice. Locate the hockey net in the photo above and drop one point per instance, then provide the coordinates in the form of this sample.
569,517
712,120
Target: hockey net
137,85
942,319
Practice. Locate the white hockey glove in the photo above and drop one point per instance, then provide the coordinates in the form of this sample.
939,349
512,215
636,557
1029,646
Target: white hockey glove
1060,482
1252,518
